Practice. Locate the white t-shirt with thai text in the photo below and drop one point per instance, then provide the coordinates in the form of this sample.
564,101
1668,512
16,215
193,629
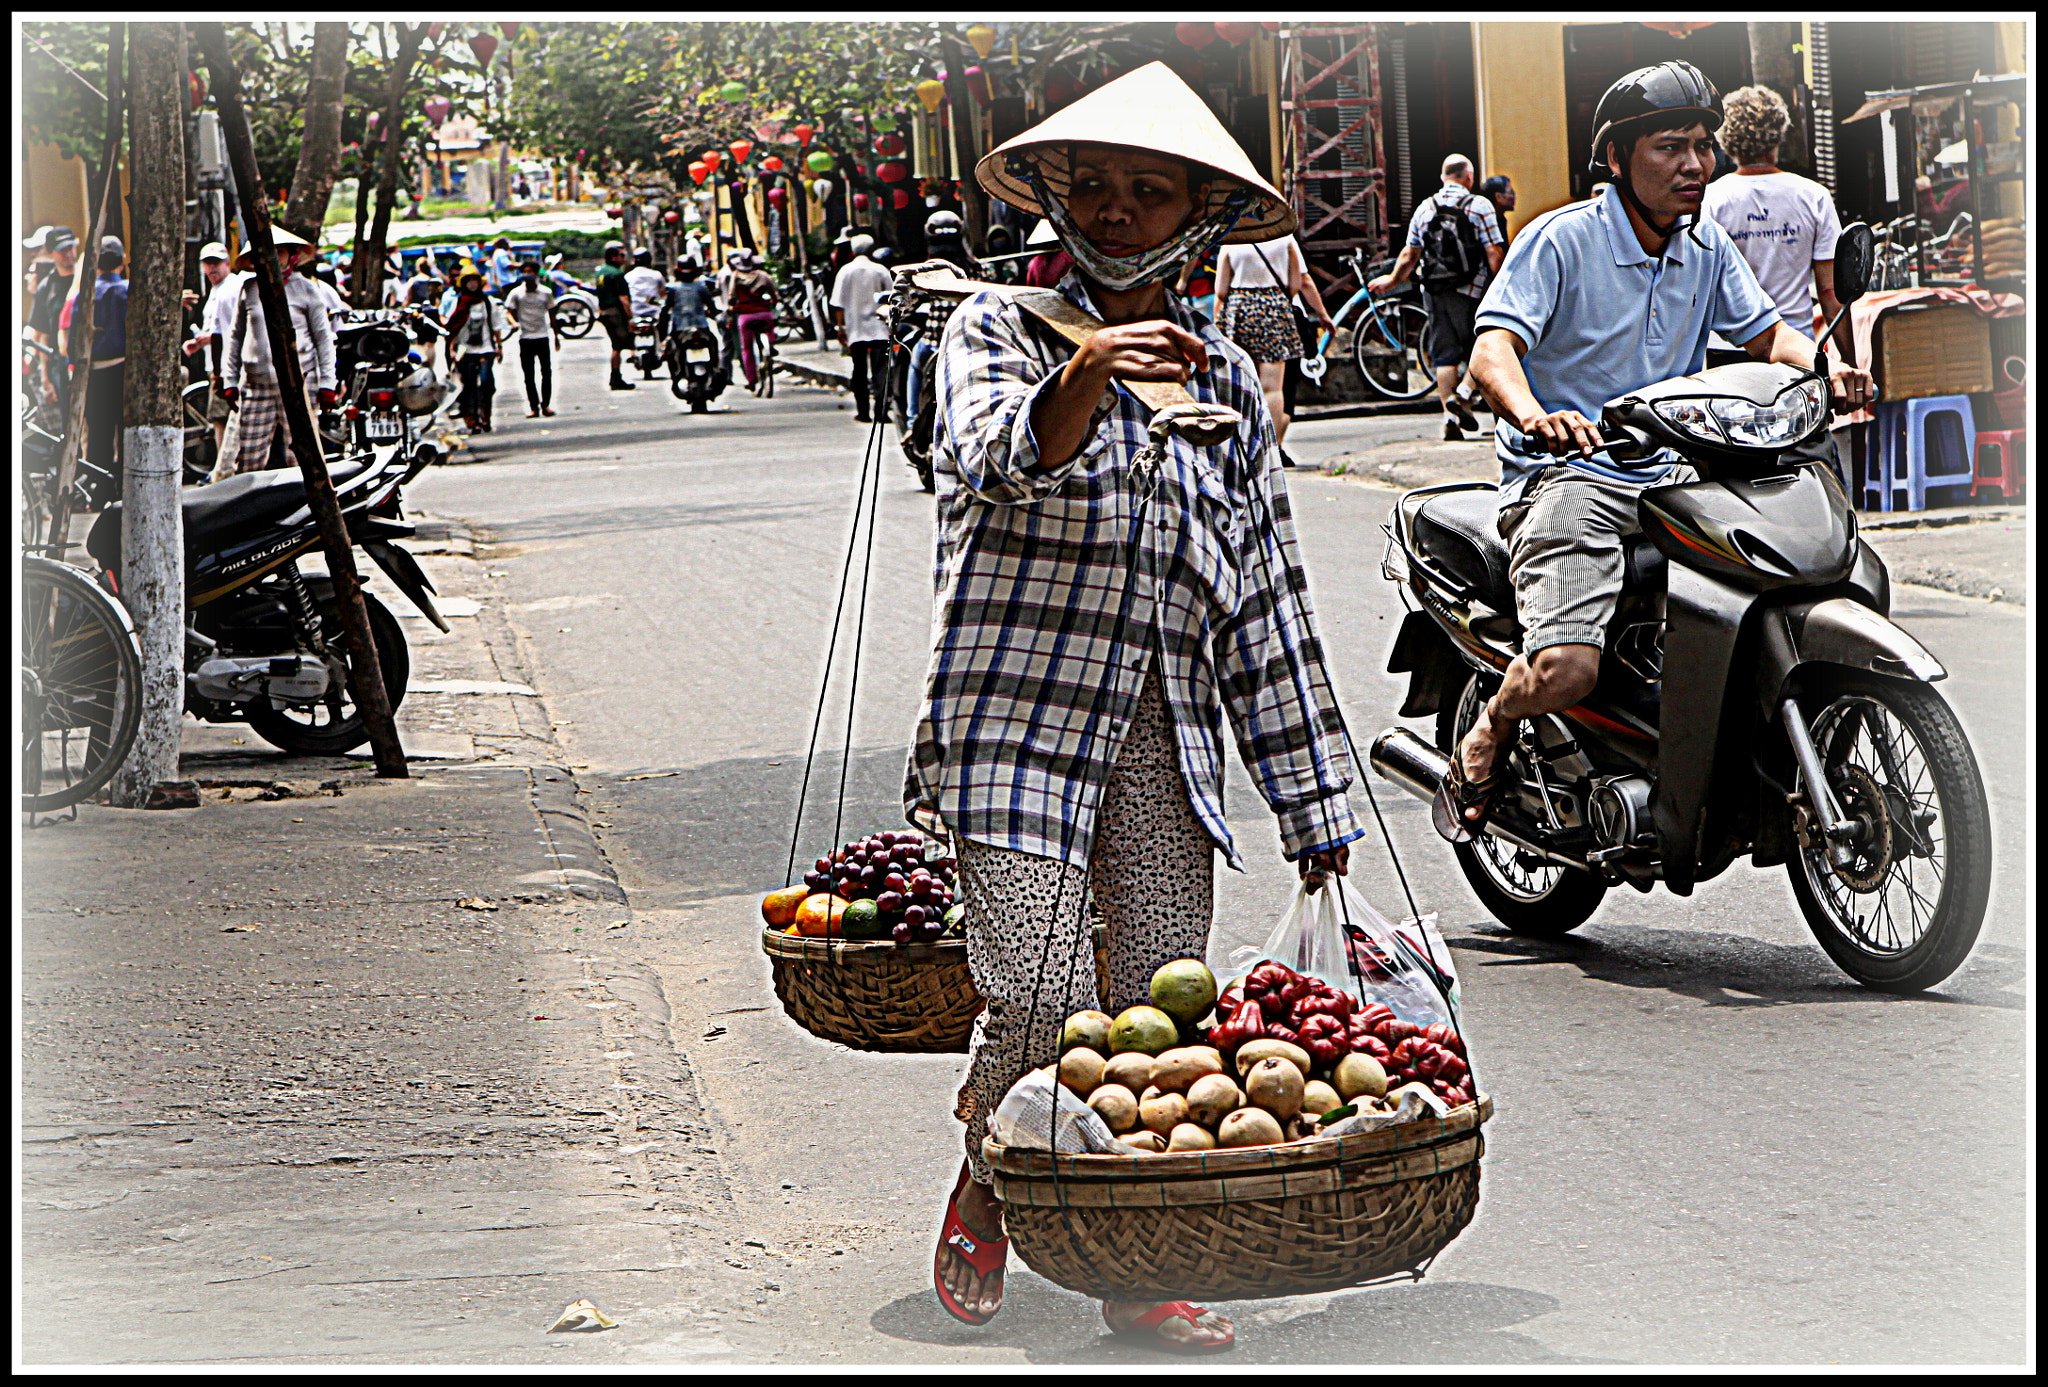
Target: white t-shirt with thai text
1781,223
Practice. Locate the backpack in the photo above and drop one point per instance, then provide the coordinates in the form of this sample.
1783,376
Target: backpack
1451,254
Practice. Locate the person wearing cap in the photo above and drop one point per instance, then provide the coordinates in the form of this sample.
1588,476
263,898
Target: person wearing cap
531,307
613,296
249,376
46,313
1106,609
751,301
106,381
863,327
216,320
1594,300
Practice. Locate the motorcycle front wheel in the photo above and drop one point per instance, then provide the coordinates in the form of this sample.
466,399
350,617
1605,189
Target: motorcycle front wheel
1903,911
1528,894
573,318
334,724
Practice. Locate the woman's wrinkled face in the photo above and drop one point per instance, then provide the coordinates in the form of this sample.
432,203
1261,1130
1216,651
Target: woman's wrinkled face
1126,201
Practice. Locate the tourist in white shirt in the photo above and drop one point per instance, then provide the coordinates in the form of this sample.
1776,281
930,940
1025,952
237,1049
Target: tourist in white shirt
866,333
531,306
1784,225
216,320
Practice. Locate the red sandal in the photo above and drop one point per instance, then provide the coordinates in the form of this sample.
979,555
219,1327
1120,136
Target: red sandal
1145,1329
984,1256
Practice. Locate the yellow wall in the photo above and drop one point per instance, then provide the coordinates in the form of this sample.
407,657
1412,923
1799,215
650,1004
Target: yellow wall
2012,46
1518,71
53,191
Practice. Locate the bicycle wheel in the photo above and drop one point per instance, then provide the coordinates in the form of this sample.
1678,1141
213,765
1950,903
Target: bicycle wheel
573,318
81,682
1387,345
764,376
201,450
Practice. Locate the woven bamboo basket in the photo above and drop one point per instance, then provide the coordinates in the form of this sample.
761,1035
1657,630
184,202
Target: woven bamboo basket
1241,1225
916,999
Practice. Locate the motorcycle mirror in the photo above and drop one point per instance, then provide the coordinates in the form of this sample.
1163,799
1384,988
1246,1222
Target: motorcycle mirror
1855,255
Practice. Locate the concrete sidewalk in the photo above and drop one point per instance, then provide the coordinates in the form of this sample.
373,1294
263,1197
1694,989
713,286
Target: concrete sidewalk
340,1070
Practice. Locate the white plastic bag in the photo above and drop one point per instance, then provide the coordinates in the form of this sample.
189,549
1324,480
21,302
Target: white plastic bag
1025,1119
1416,1099
1336,935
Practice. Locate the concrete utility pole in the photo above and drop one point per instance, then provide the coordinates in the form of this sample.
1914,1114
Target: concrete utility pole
153,441
365,676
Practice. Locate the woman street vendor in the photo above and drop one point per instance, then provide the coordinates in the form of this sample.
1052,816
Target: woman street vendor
1102,608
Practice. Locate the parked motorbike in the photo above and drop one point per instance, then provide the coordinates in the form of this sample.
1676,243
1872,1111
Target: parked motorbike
698,370
911,320
264,642
646,353
1753,695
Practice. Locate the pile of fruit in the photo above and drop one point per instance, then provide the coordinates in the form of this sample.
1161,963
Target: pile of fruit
1326,1025
885,886
1146,1074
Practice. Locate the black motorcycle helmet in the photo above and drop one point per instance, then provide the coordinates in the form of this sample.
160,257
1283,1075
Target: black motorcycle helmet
1660,97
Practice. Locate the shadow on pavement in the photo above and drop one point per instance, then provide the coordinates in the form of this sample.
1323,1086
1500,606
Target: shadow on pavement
1446,1321
1727,970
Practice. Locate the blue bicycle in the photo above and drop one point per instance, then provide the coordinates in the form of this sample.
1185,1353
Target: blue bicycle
1386,339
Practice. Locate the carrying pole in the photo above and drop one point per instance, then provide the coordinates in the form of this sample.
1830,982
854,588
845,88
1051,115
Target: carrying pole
366,678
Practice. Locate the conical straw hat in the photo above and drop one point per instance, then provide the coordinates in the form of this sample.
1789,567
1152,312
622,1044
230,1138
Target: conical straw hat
288,245
1150,109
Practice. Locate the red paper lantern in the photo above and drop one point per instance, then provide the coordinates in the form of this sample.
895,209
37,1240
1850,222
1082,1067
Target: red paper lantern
860,202
1195,34
892,172
510,30
483,45
888,146
773,163
196,86
437,109
900,199
802,133
1061,88
741,149
977,85
1271,26
1235,34
615,212
699,171
776,197
671,216
712,159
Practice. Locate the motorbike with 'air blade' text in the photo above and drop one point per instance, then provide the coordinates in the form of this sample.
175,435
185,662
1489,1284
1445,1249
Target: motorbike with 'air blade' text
1753,697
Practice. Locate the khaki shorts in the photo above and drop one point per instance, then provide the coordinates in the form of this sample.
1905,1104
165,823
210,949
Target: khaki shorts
1565,559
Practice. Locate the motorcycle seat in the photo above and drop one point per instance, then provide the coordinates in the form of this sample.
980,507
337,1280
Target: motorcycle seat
1459,533
255,498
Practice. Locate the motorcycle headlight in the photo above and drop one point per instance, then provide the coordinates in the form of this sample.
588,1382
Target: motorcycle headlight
1745,424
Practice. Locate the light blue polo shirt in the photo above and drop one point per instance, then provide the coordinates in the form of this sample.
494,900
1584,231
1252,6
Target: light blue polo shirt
1601,317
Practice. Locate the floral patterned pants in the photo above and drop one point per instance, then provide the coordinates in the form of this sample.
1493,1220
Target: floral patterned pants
1030,938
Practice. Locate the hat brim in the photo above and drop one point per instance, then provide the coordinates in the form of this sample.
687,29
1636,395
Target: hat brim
1154,111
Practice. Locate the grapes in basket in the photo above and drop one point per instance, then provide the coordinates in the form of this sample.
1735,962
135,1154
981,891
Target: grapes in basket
892,885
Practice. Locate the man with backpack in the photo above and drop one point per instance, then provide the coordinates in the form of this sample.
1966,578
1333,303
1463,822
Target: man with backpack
1456,240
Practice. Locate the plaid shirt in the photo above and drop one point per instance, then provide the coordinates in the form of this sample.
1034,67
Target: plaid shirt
1034,679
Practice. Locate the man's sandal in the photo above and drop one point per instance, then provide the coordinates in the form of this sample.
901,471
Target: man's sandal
1457,794
985,1256
1145,1329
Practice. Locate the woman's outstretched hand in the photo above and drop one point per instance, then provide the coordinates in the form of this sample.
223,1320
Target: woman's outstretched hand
1315,868
1153,350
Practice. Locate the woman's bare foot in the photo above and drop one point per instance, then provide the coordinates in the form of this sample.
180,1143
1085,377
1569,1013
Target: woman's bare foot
1208,1330
982,1212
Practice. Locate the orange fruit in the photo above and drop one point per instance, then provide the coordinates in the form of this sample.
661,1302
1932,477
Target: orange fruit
818,916
779,908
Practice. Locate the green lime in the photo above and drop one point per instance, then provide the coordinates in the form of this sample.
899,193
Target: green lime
862,920
956,919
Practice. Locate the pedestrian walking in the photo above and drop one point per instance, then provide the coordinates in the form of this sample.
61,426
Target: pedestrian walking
476,333
531,307
216,321
106,380
1073,727
752,302
249,379
613,310
1257,287
1784,225
1455,238
859,318
46,313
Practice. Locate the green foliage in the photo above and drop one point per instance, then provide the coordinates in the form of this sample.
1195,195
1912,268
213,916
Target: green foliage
581,92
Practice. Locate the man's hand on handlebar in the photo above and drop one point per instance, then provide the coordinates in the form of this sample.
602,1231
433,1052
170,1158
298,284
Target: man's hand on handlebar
1851,387
1563,431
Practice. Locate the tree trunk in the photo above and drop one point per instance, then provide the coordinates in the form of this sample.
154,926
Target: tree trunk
1774,64
320,147
366,679
153,445
961,118
368,283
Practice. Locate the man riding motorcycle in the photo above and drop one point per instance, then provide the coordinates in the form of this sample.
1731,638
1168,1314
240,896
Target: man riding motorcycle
1594,300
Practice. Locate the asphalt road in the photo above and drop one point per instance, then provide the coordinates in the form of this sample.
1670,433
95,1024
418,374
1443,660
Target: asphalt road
1710,1145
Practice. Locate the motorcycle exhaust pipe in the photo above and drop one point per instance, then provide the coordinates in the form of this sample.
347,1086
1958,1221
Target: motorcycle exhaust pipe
1417,767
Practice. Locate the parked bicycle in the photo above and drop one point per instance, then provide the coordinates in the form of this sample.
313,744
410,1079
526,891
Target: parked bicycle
81,680
1386,338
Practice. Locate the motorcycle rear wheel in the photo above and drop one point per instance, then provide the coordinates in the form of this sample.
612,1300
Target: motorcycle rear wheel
1899,763
1543,900
335,725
